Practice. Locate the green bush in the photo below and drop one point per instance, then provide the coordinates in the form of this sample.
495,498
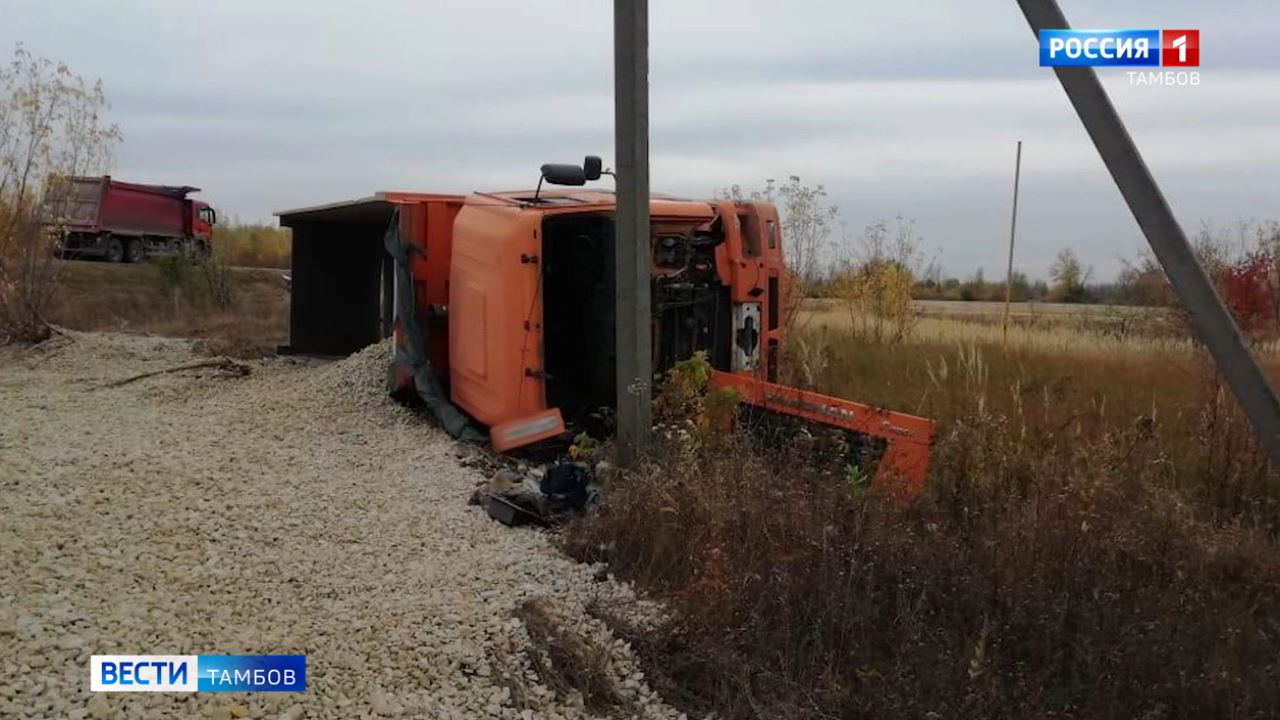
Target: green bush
203,282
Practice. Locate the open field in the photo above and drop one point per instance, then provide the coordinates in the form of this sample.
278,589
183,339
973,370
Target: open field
1082,330
1024,309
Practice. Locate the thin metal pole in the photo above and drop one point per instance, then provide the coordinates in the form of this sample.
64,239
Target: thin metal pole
1213,324
1013,232
634,335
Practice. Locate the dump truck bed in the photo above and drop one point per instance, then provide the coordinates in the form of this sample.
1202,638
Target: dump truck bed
100,204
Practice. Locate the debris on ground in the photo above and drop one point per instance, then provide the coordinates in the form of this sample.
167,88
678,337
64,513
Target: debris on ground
222,364
545,495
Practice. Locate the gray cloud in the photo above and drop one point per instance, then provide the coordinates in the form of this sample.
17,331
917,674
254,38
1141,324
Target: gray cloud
908,108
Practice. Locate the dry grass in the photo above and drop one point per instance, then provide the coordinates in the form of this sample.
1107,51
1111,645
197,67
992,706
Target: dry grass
1062,381
254,245
138,299
567,661
1094,330
1098,539
28,276
1067,581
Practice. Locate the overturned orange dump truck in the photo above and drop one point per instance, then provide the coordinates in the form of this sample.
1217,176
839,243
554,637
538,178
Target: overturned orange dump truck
502,305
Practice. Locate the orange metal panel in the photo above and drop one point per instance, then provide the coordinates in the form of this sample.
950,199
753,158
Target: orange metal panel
906,460
495,337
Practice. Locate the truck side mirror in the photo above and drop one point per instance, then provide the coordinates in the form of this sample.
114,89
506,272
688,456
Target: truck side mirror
592,166
563,174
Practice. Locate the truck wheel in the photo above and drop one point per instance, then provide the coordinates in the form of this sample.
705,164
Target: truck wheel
115,250
134,251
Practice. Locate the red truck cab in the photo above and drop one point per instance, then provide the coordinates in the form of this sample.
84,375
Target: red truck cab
203,218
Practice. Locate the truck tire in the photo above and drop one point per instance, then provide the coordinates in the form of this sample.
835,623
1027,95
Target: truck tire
115,250
134,251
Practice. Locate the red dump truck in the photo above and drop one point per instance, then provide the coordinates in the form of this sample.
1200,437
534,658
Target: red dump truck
125,222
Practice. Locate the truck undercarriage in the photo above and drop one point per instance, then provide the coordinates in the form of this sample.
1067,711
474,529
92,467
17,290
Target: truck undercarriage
690,309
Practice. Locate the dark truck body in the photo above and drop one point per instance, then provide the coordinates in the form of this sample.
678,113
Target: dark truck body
119,221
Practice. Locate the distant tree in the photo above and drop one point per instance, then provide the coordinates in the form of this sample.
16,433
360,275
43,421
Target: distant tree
1250,283
975,288
933,273
51,127
253,244
1243,262
1021,287
1143,282
876,280
929,281
1069,277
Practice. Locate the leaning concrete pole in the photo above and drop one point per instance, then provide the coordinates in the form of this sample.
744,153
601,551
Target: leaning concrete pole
631,251
1013,234
1213,324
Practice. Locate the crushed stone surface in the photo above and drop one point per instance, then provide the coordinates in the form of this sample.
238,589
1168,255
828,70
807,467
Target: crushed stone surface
294,511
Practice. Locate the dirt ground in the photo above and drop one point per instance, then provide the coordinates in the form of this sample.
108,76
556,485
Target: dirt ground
134,299
295,510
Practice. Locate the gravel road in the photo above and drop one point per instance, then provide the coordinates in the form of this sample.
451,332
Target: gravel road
296,510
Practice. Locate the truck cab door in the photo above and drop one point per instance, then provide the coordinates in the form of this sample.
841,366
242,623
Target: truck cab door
203,221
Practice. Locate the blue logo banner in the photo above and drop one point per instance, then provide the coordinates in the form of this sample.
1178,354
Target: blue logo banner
252,673
1100,48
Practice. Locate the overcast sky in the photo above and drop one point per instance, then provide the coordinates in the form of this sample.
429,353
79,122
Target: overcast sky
909,107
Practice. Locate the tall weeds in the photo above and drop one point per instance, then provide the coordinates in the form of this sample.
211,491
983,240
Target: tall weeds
201,282
1066,581
1078,552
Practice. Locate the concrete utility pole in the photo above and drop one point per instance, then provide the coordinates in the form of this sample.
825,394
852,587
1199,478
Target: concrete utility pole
1013,232
634,335
1213,324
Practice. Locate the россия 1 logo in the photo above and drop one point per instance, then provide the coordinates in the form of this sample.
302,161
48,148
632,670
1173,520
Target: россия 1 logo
1181,48
1126,48
1119,48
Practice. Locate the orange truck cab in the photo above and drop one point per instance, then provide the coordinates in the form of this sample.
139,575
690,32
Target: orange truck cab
512,296
531,300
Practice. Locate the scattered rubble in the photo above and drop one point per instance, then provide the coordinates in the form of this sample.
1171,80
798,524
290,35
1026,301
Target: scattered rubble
294,510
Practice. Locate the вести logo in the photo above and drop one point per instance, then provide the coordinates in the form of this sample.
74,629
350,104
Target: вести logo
198,673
